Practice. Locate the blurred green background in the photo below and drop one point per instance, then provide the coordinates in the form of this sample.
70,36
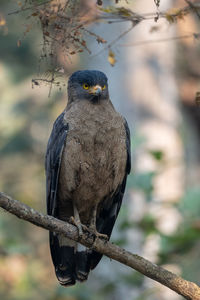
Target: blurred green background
26,118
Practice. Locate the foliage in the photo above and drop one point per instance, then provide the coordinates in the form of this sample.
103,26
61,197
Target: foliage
64,25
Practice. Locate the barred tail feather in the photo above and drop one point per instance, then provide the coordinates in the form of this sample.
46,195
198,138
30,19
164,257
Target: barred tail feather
63,256
83,255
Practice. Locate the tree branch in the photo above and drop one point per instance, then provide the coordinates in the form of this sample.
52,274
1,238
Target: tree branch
187,289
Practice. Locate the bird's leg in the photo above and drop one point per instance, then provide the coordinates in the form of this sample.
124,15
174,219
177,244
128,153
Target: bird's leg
75,220
92,226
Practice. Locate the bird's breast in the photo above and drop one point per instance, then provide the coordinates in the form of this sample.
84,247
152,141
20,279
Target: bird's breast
94,156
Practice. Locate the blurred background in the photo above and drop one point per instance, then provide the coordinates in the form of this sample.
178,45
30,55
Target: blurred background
153,80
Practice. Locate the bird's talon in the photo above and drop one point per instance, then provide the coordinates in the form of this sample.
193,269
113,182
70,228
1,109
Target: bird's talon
84,227
102,236
77,224
98,234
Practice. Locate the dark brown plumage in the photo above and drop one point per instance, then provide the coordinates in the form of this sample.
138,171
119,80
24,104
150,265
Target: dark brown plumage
87,162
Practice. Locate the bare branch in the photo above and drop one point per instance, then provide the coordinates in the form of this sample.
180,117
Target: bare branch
22,9
115,40
187,289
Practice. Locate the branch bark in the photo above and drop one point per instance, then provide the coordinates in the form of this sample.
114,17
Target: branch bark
187,289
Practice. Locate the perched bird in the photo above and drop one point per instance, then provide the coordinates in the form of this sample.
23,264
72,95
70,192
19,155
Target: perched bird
87,163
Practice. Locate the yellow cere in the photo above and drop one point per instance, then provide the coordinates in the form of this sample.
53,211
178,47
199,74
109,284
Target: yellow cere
85,86
103,87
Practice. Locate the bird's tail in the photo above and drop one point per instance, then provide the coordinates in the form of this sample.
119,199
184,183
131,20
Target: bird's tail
71,262
83,257
63,256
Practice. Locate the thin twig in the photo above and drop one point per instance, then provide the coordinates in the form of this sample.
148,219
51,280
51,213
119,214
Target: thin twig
187,289
181,37
28,8
193,7
116,39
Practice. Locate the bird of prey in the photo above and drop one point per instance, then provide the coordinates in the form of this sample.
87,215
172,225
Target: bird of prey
87,163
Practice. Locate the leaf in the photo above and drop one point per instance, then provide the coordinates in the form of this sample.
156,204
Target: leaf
58,26
28,28
101,40
154,29
108,9
175,14
83,43
197,98
111,58
19,43
196,36
2,21
170,18
99,2
35,82
122,11
157,154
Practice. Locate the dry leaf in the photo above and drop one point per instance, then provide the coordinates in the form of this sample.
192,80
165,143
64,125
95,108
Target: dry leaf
2,21
19,43
197,98
101,40
175,14
154,29
83,43
111,58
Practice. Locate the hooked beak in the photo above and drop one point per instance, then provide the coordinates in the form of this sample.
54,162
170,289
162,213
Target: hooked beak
96,90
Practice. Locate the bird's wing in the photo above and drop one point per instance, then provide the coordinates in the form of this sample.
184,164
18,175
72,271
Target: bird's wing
110,207
52,162
62,250
128,147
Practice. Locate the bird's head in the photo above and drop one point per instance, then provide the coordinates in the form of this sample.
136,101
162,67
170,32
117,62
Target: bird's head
88,85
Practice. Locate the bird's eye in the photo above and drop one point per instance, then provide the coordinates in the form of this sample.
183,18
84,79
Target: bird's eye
103,87
85,86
